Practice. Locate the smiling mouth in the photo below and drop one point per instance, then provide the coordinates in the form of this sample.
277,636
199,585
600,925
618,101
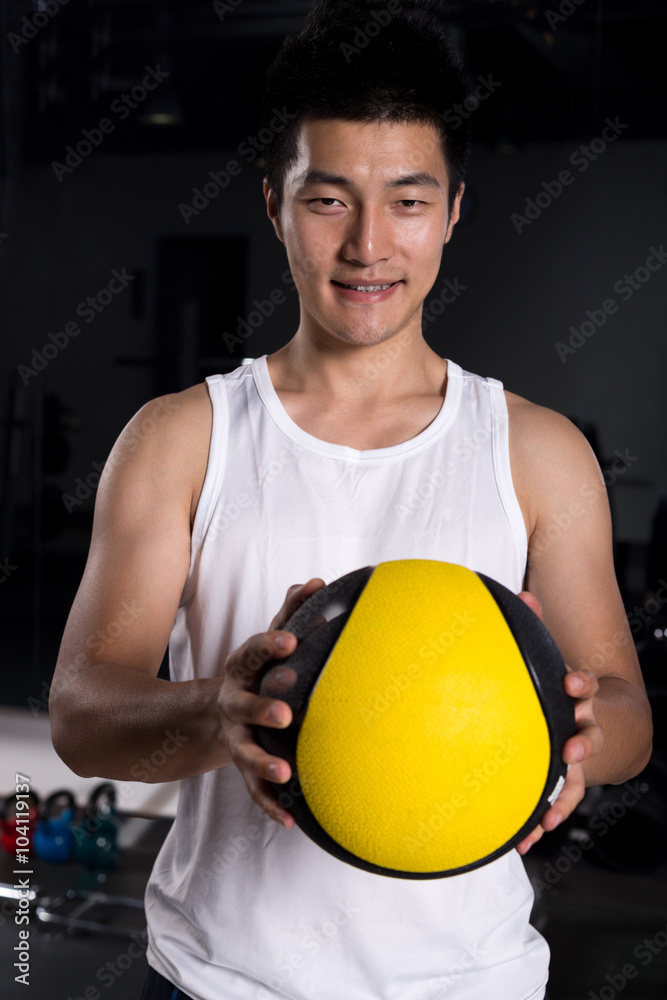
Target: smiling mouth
366,288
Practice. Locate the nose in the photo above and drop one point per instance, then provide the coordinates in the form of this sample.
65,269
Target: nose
370,236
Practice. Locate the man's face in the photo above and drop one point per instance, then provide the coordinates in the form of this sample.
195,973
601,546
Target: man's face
364,203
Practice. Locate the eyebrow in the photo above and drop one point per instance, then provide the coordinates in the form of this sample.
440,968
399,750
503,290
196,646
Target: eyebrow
420,179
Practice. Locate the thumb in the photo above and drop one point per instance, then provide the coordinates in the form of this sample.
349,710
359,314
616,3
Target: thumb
532,602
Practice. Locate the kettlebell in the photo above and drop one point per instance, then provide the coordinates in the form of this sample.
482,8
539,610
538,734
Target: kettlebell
95,837
14,820
54,841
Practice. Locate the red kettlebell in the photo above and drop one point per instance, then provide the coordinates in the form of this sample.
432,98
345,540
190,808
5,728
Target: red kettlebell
18,821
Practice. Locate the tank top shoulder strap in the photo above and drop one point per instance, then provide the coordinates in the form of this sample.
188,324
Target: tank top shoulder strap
215,469
216,457
503,471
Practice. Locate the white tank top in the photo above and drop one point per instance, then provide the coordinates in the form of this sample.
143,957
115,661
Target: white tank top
239,908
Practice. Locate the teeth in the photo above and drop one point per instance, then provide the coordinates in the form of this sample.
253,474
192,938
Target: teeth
368,288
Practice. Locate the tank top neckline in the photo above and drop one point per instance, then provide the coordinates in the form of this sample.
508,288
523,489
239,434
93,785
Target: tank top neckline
443,419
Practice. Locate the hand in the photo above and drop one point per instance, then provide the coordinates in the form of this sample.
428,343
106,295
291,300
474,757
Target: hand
241,708
582,685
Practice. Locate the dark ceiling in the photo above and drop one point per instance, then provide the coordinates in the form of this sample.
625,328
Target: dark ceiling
564,66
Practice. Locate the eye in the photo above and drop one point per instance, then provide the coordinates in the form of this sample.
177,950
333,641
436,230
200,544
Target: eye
403,201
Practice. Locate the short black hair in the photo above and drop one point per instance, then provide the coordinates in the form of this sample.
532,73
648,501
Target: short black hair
368,61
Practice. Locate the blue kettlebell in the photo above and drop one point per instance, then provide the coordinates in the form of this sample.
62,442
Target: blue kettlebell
95,838
54,841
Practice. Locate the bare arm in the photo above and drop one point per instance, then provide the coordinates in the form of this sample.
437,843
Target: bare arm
571,573
109,711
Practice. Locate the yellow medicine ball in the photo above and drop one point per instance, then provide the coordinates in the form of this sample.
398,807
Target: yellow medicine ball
429,717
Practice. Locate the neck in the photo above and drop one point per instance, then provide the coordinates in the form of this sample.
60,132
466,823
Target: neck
400,366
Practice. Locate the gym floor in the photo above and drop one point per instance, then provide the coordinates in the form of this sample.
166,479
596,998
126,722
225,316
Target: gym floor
606,930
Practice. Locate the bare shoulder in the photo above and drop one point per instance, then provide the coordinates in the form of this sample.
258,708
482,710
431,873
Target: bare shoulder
166,443
549,456
531,423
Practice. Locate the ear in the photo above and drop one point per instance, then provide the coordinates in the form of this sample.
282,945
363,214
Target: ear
272,209
456,211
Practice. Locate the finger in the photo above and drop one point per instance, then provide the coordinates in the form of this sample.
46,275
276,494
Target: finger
570,796
248,709
296,595
588,742
249,756
263,795
249,659
531,839
319,620
278,681
581,684
532,602
259,769
301,594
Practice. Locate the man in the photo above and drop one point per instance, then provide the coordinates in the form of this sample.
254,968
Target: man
298,467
